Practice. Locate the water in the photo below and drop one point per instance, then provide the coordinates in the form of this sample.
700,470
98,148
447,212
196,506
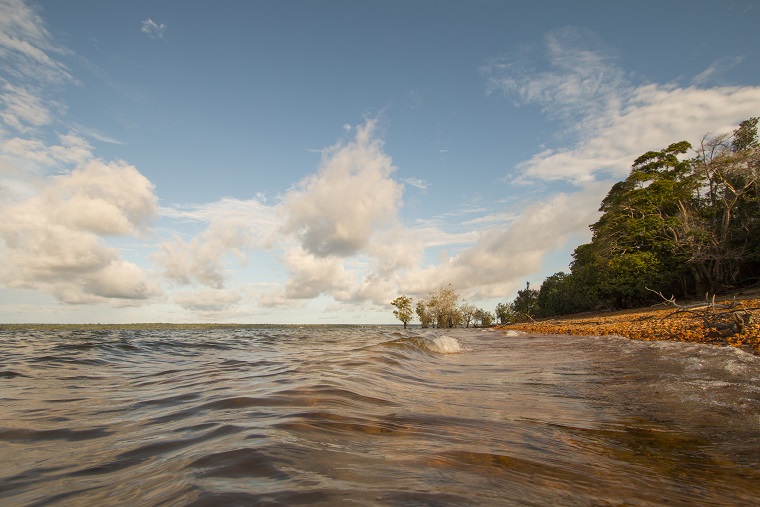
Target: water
373,416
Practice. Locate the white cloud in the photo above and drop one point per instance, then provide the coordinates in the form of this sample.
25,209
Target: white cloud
581,82
233,227
25,45
653,117
53,238
55,228
715,69
417,183
502,257
27,68
208,301
613,121
336,210
22,110
313,275
152,29
96,134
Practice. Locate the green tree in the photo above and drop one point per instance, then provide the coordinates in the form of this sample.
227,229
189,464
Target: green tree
586,277
403,311
525,303
745,136
484,317
505,313
424,313
677,225
637,237
560,294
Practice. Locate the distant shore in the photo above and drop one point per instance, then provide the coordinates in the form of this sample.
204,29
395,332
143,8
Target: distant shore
154,326
733,322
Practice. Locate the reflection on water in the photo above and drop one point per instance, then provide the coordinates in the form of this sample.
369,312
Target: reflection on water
373,416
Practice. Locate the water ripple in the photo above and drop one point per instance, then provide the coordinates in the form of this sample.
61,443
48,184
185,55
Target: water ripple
366,415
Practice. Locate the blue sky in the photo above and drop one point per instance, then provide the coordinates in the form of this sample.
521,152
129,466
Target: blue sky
306,162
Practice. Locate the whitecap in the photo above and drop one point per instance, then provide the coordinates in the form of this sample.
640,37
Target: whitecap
445,345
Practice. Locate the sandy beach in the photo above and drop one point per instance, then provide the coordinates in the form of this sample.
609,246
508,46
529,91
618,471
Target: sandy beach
733,322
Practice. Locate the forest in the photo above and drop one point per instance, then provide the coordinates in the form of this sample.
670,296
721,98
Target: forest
684,223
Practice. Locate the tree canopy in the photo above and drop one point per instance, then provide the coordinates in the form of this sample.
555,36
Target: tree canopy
686,221
678,224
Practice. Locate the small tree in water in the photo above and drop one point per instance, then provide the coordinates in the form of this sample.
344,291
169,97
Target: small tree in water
444,307
403,311
424,314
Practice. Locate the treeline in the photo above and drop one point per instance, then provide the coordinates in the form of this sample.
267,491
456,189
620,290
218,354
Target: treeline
442,308
679,225
684,223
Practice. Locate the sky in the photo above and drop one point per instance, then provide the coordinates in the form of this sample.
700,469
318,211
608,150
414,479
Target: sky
300,161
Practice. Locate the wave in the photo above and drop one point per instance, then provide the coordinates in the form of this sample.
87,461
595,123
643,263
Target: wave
441,344
375,415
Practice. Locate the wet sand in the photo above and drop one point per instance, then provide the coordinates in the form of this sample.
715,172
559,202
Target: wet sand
727,322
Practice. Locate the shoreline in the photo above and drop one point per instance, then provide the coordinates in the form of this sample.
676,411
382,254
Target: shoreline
727,322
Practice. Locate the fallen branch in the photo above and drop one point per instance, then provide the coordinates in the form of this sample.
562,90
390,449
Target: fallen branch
697,306
718,320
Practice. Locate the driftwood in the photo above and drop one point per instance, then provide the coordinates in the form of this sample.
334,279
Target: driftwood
719,320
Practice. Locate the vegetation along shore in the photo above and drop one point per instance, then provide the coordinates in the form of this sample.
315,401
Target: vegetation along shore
683,226
734,322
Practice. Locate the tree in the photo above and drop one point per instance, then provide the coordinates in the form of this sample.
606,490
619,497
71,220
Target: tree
484,317
424,313
745,137
720,230
443,306
560,294
675,225
637,237
524,304
403,311
505,313
467,311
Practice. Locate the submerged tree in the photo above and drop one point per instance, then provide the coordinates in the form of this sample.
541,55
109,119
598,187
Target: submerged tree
443,306
423,313
467,311
403,311
483,317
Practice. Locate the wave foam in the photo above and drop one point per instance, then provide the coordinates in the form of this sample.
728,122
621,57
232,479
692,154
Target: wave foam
445,345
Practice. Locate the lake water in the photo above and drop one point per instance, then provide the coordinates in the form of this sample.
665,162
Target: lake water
373,416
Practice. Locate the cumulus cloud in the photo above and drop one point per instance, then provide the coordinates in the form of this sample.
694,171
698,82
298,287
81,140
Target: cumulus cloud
312,275
501,258
152,29
60,204
336,210
654,117
54,237
233,226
